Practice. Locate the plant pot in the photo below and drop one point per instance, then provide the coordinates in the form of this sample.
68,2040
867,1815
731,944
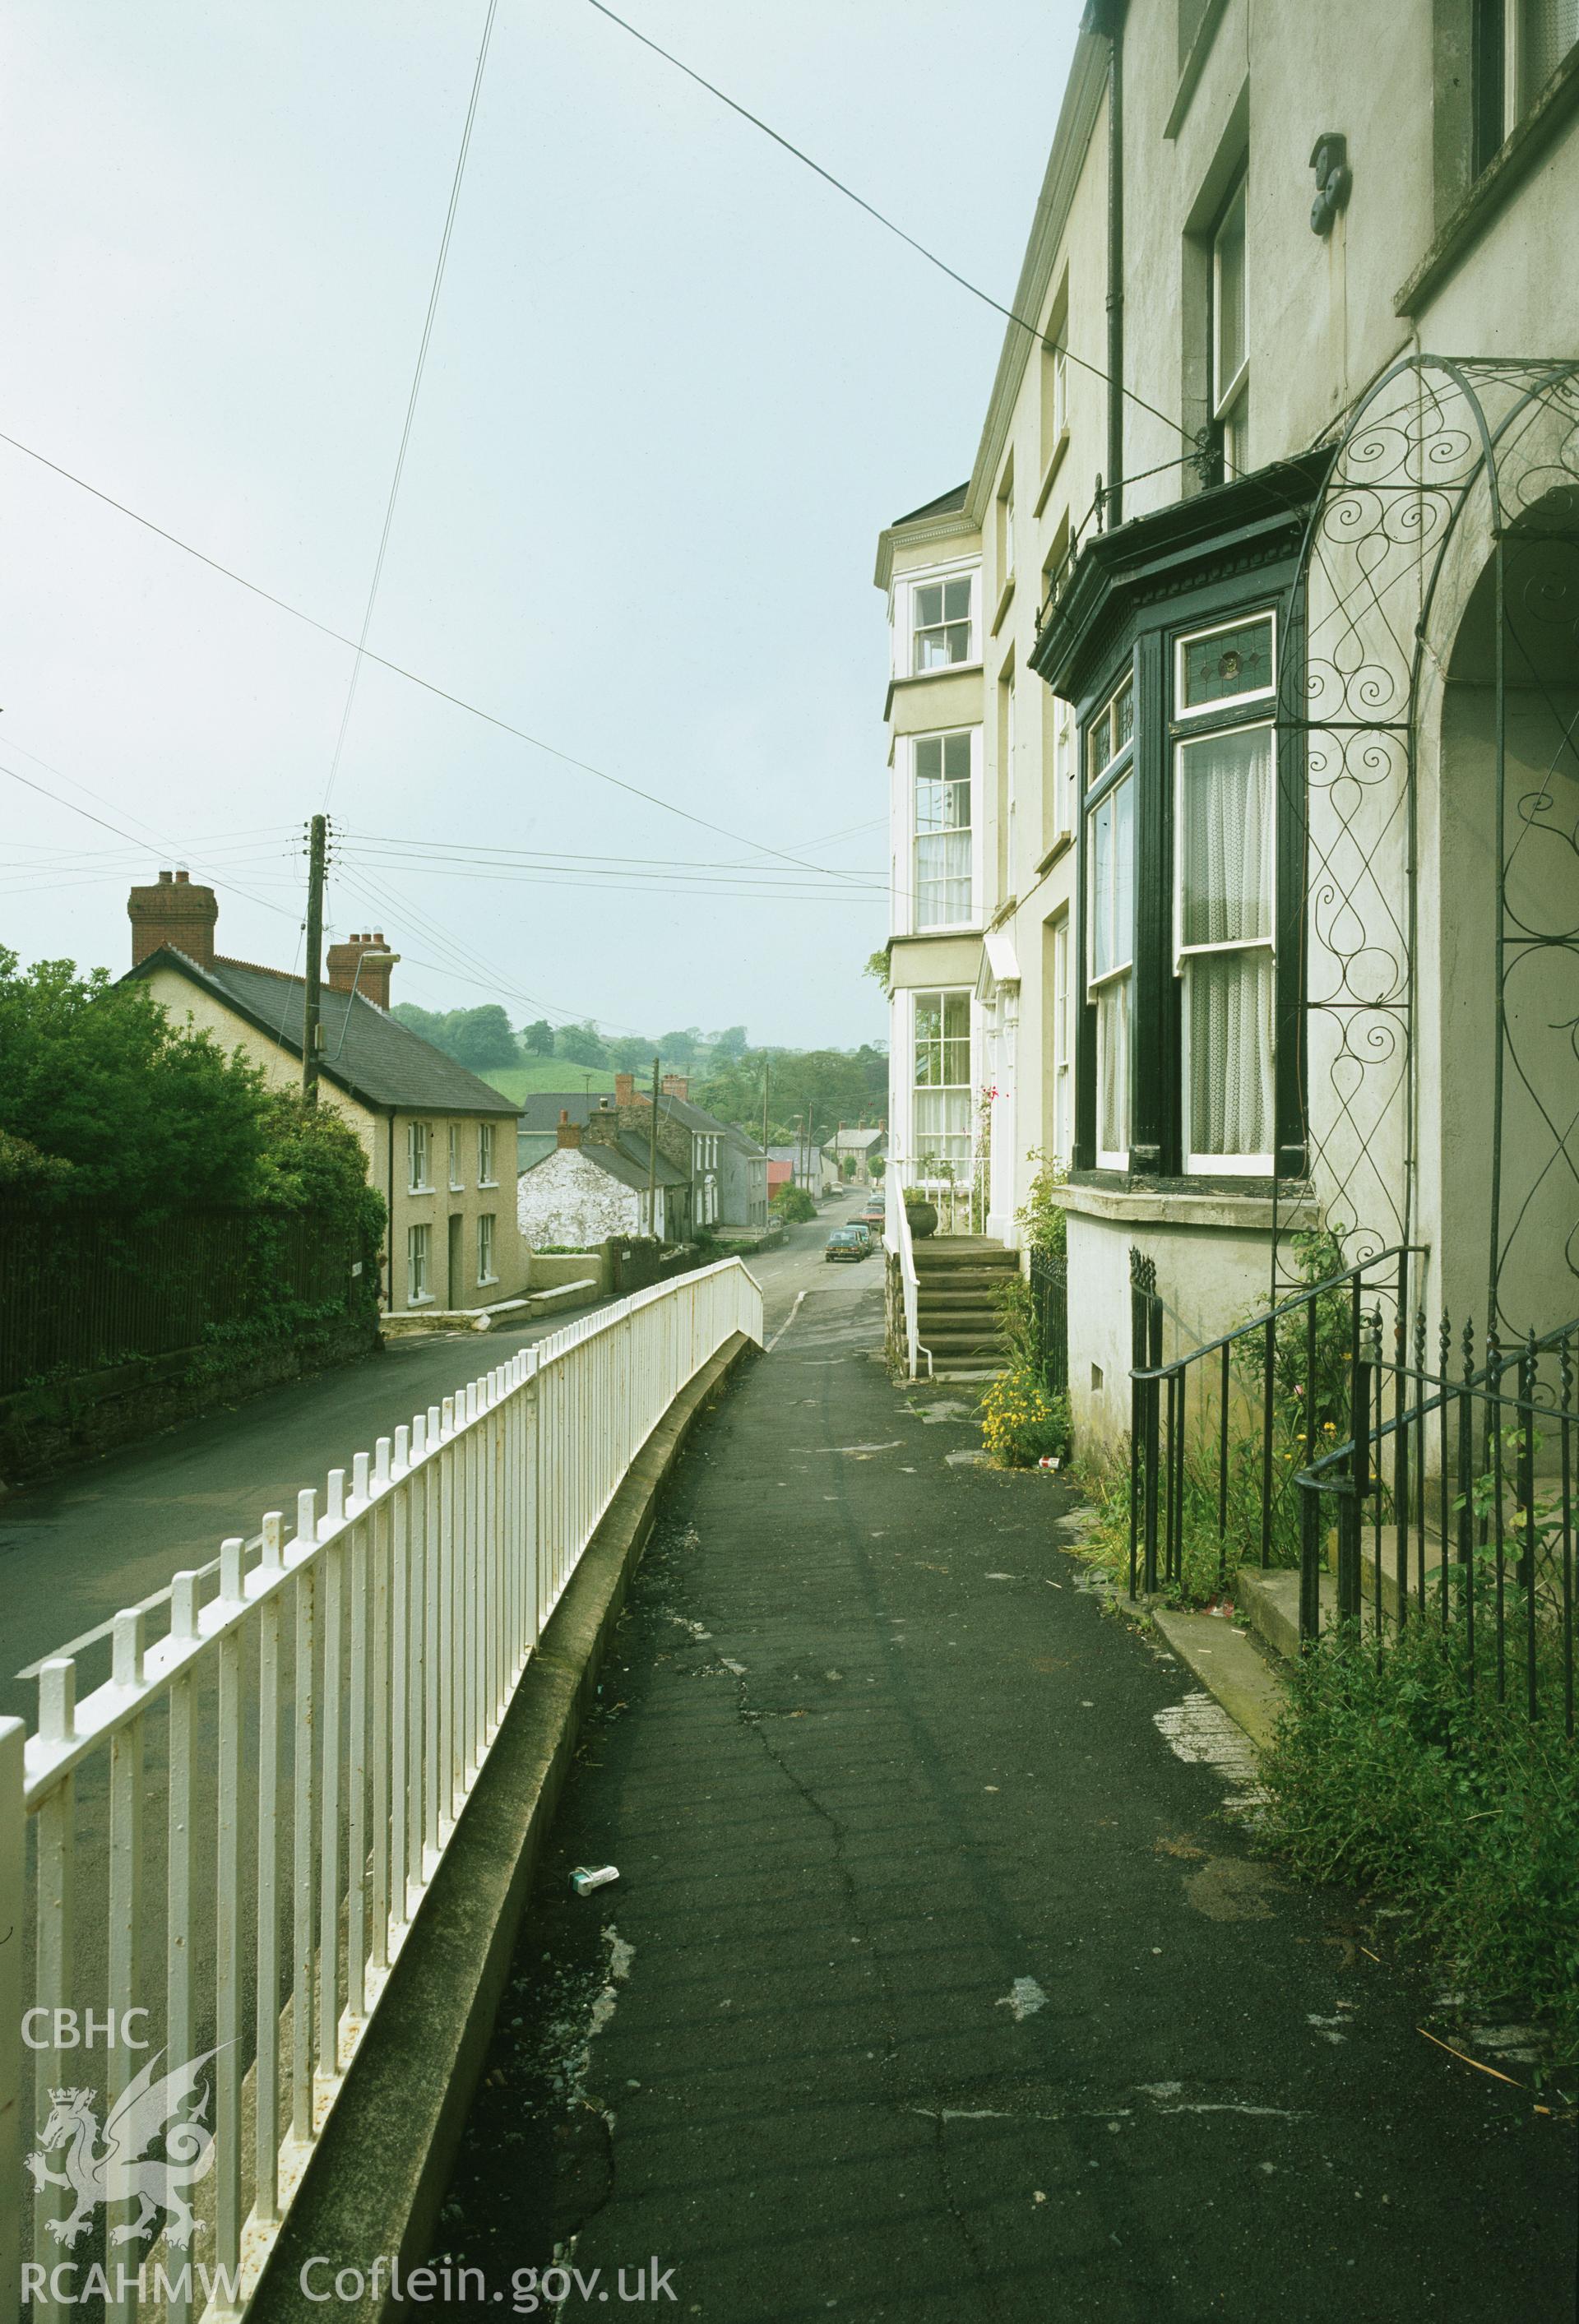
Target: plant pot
923,1217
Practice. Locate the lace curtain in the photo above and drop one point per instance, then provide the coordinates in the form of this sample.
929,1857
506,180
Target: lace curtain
1227,798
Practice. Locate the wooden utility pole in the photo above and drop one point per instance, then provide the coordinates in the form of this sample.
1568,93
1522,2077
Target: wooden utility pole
652,1162
765,1105
312,1001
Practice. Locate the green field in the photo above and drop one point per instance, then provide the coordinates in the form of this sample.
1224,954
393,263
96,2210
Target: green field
522,1081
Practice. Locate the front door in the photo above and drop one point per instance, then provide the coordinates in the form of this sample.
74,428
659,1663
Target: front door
457,1224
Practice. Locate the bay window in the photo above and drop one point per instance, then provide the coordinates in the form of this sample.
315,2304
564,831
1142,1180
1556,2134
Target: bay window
941,767
941,1081
1181,642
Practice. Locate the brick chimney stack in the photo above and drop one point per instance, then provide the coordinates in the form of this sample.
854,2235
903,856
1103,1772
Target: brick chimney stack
676,1086
570,1133
625,1089
602,1123
174,912
361,965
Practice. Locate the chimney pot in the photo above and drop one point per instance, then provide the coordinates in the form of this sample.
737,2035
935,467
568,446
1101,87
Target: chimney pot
361,965
172,910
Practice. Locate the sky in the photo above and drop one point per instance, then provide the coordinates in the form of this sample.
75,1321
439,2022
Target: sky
674,387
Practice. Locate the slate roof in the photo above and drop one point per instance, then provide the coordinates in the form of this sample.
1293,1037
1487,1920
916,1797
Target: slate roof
628,1163
542,1109
944,506
369,1055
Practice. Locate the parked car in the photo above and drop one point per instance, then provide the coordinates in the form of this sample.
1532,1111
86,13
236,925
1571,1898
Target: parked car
847,1243
875,1216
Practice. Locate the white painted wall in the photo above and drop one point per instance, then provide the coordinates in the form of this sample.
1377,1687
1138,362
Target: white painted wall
568,1199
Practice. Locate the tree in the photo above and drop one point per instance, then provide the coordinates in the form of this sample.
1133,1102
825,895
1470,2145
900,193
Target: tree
631,1054
132,1112
728,1045
482,1037
538,1038
582,1045
681,1048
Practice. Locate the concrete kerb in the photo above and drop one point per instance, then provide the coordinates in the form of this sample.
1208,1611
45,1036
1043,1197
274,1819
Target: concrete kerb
377,2179
1220,1654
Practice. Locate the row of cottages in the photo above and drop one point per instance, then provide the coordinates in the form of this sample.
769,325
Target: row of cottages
592,1166
440,1144
1232,697
851,1152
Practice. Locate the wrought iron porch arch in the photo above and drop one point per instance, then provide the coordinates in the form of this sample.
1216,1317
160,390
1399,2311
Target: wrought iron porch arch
1448,465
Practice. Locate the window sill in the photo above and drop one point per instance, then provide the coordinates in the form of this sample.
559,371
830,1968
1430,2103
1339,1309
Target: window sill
1005,599
1523,150
1109,1195
421,1299
421,1190
1054,465
455,1187
484,1281
1060,847
483,1183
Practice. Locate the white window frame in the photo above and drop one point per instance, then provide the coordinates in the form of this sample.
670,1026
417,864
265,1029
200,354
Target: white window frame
1183,712
1113,776
486,1270
911,920
942,993
1006,526
419,1254
1219,1166
1062,1042
905,632
1122,972
456,1181
419,1157
1065,768
485,1155
1228,396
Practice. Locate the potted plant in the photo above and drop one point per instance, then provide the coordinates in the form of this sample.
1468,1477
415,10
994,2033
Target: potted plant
920,1210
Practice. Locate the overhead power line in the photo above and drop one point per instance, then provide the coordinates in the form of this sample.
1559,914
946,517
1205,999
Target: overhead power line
412,677
1008,313
400,465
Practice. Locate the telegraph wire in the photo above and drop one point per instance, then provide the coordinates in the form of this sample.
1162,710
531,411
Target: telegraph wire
412,677
931,257
400,465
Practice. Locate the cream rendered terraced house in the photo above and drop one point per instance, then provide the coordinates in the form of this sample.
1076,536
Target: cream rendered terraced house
440,1144
1196,871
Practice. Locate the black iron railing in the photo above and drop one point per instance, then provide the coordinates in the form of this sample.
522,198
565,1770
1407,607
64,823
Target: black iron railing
1439,1472
1049,1298
1218,1434
1459,1503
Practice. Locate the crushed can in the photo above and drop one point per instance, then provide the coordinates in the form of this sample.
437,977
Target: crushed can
586,1877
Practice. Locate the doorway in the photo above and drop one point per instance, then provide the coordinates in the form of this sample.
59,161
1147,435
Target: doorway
457,1227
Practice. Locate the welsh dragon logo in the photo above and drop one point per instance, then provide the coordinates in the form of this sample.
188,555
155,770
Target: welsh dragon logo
123,2171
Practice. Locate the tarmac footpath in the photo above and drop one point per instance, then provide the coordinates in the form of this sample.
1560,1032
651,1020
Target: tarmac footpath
942,1979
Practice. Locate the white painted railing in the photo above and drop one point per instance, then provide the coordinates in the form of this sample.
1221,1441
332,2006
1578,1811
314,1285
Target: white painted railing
234,1832
896,1234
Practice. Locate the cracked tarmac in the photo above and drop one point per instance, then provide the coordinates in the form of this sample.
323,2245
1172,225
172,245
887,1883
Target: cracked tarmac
942,1979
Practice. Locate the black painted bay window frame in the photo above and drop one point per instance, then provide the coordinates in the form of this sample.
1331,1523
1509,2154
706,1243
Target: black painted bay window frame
1236,576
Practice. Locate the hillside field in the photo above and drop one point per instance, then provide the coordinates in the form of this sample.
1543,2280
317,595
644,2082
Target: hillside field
524,1081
